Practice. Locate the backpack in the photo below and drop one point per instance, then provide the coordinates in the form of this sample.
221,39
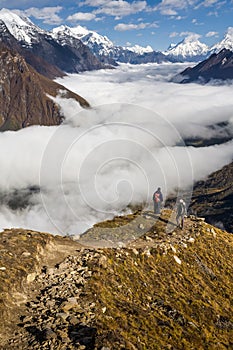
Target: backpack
181,208
156,197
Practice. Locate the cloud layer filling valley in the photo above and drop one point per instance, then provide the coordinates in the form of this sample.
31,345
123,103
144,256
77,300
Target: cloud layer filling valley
115,154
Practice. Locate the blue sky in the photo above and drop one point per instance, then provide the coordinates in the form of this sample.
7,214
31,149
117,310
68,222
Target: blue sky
145,22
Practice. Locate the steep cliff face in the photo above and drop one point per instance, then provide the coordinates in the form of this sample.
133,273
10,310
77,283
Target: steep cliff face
23,94
161,290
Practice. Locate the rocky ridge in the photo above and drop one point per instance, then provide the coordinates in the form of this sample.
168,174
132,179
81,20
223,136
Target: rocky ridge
217,67
213,198
166,289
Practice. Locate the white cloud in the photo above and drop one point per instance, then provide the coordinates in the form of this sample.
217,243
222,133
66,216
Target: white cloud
230,31
207,3
171,7
195,21
190,35
103,158
117,8
213,13
211,3
210,34
122,27
81,16
179,18
168,12
49,15
99,19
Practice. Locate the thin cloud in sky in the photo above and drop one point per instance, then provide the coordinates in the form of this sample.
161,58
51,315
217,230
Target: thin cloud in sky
115,7
121,27
81,16
48,15
168,12
190,35
210,34
170,7
173,34
208,3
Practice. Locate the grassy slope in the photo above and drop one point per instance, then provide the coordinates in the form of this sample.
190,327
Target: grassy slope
153,302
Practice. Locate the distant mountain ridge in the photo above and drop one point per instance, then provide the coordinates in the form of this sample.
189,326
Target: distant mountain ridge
191,49
76,49
105,50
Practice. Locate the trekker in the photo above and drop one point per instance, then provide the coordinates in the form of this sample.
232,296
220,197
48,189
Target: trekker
180,213
157,199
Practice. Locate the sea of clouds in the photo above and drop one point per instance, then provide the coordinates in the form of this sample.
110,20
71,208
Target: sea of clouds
113,156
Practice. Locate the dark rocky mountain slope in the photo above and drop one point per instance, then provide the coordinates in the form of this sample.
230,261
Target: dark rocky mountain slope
70,59
217,66
213,198
24,94
157,291
37,62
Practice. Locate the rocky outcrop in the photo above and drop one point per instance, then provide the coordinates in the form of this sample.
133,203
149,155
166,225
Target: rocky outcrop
213,198
24,99
164,289
217,66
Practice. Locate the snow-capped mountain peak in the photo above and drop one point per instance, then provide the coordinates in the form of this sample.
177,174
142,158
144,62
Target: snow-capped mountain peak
20,27
188,48
140,50
93,40
76,32
226,43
